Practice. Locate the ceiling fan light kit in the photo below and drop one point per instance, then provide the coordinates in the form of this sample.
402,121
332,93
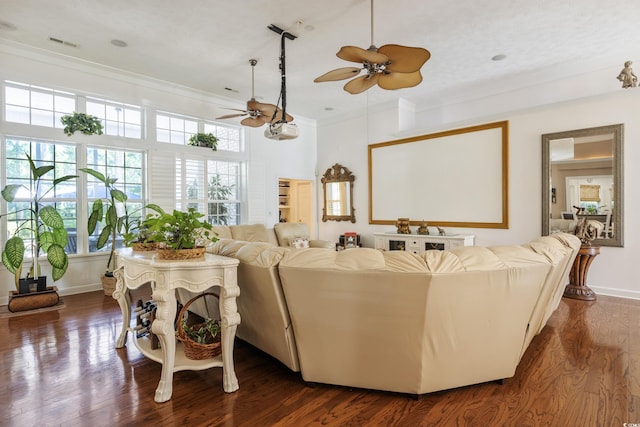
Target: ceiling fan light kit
391,66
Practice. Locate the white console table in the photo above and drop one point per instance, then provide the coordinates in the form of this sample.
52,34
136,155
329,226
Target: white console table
137,268
420,243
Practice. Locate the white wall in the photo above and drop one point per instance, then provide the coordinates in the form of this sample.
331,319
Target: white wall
612,273
267,159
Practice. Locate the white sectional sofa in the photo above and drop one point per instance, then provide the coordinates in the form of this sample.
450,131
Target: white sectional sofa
396,321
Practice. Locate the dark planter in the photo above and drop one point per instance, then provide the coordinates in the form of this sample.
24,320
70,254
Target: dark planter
33,300
29,285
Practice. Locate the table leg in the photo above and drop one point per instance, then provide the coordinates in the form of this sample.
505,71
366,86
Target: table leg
230,321
121,295
163,327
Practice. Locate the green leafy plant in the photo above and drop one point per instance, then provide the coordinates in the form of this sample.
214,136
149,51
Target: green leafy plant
81,122
178,230
204,140
43,227
107,210
202,333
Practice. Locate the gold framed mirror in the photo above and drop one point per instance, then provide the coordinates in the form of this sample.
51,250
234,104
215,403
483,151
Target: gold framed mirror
582,177
337,189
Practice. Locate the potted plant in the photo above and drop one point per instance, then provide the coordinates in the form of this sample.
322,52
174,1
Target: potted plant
113,211
81,122
137,235
42,229
181,235
204,140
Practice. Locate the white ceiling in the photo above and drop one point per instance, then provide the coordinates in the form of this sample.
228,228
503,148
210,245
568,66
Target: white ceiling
206,44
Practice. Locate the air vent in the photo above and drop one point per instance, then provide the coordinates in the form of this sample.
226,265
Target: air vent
53,39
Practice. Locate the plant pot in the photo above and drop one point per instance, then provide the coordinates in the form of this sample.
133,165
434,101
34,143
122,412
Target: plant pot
181,254
144,246
29,285
30,301
108,284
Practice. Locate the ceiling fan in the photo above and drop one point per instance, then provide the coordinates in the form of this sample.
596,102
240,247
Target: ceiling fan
258,113
390,66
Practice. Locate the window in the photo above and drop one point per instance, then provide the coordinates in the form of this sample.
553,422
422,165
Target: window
229,138
218,196
38,106
223,201
174,128
127,168
118,119
63,196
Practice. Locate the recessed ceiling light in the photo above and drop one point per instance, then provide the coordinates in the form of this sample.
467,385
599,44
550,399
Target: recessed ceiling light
118,43
499,57
7,26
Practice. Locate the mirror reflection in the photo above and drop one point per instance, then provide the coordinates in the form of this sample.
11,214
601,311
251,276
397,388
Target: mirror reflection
337,185
582,174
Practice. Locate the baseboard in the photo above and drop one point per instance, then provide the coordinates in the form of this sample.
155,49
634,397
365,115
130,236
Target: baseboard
612,292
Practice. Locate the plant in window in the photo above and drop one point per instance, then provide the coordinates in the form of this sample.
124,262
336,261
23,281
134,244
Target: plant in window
81,122
219,191
204,140
42,229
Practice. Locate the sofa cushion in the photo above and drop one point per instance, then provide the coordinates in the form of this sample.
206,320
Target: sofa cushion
299,243
261,254
222,231
285,232
250,232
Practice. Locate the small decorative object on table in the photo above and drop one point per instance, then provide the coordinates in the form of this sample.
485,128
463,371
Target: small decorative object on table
441,231
350,239
402,225
200,340
423,229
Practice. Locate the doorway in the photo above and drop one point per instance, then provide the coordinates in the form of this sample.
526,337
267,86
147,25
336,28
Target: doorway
295,201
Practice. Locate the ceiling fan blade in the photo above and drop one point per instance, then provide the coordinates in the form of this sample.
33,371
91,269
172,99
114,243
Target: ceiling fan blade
404,59
338,74
253,122
357,54
399,80
230,116
362,83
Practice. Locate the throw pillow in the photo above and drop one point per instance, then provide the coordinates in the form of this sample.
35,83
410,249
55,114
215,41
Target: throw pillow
299,243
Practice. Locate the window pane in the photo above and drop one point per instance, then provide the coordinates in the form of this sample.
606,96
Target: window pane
17,96
43,101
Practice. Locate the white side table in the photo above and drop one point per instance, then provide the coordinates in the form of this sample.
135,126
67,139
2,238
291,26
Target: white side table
137,268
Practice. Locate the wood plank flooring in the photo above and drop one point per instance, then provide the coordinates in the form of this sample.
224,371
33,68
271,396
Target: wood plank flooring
61,368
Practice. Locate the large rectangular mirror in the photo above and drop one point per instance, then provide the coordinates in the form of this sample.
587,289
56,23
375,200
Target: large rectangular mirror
454,178
582,178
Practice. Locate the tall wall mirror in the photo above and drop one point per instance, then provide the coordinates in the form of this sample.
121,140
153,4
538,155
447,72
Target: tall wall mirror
337,189
582,177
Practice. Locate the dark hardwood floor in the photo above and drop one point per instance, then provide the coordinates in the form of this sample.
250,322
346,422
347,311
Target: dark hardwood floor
61,368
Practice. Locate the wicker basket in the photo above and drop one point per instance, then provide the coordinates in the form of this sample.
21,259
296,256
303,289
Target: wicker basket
144,246
178,254
194,350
